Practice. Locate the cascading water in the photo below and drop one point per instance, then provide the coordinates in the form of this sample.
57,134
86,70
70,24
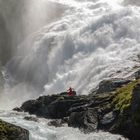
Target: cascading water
88,41
41,131
92,40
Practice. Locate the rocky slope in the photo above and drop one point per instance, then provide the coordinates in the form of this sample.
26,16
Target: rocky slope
113,107
12,132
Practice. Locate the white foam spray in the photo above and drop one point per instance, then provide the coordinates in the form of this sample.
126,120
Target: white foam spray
92,40
41,131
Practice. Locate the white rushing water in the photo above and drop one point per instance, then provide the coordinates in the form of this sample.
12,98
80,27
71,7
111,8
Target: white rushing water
92,40
41,131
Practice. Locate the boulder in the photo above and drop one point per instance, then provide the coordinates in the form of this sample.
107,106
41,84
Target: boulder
137,74
136,98
107,120
39,107
11,132
53,107
111,85
134,123
31,118
85,120
57,122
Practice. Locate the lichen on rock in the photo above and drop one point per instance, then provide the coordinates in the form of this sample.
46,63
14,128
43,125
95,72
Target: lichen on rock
11,132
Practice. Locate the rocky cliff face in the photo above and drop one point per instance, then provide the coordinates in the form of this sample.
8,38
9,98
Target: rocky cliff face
113,107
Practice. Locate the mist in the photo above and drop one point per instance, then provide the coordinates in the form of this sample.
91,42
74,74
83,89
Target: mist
19,19
132,2
53,47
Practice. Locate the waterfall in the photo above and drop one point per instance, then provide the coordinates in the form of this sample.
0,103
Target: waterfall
46,46
87,41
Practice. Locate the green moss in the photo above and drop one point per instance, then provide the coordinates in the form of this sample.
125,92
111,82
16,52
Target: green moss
123,96
9,131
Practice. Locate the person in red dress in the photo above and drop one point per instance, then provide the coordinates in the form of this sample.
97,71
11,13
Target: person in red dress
70,92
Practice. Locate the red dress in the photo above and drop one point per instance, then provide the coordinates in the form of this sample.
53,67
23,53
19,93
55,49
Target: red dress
70,92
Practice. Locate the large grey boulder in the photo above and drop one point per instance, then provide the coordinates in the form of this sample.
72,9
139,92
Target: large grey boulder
85,120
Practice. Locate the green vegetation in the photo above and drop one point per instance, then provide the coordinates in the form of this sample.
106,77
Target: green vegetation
9,131
123,96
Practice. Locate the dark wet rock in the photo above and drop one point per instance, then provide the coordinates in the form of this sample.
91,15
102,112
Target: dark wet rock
136,98
107,121
31,118
86,109
65,119
137,74
11,132
108,118
111,85
39,107
57,122
85,120
65,93
116,108
59,108
18,109
134,120
54,107
78,108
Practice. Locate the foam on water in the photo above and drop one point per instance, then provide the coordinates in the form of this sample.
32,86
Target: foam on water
41,131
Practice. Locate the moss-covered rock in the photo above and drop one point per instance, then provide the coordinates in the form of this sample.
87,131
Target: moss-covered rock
12,132
127,103
120,109
123,96
106,86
